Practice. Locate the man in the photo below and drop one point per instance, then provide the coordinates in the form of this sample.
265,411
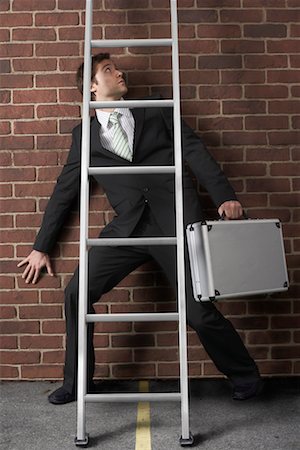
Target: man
144,205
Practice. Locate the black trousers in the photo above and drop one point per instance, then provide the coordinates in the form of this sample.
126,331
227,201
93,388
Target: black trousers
109,265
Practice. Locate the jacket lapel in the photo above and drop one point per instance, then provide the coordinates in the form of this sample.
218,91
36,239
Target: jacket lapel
139,115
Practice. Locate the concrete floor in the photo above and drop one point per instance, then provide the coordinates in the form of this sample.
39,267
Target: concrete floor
269,422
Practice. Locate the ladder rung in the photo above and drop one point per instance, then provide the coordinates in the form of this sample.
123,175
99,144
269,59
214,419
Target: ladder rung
109,43
134,397
101,242
133,317
130,170
164,103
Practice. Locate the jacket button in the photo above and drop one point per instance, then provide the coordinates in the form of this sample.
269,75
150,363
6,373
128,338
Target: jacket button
145,201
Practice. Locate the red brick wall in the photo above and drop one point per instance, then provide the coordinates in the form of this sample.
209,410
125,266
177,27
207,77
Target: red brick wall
240,91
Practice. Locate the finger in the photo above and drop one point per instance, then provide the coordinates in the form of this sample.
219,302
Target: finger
21,263
26,271
36,276
49,269
30,275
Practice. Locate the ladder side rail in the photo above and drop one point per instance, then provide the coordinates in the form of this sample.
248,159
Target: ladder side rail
179,228
83,256
115,43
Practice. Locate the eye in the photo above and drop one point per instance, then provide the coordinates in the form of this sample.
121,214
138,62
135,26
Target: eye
108,69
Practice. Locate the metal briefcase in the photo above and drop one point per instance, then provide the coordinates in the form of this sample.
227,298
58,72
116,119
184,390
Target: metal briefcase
236,257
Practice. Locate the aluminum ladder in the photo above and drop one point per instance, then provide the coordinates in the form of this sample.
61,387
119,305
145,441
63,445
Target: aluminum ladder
84,318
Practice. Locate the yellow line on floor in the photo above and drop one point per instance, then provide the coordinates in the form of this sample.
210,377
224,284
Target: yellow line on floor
143,430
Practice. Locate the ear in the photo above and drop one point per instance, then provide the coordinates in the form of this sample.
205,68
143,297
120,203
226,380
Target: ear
93,87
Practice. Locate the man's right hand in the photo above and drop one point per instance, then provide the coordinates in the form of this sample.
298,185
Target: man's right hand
35,262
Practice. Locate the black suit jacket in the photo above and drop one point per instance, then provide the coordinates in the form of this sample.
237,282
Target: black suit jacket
128,194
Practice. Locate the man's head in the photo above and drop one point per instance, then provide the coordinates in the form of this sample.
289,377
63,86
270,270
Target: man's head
107,82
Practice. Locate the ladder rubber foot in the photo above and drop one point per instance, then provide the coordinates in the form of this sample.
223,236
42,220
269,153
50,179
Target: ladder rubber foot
82,442
187,442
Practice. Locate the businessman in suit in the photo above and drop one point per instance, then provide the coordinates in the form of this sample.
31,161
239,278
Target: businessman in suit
144,206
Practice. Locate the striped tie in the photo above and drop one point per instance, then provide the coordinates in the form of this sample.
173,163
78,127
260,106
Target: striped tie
120,141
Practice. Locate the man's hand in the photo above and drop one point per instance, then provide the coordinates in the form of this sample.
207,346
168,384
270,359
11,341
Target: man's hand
35,262
232,210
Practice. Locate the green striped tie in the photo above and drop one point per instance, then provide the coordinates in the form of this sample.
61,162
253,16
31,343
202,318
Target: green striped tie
120,141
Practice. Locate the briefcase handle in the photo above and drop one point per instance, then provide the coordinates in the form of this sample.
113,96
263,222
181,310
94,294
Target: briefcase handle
244,216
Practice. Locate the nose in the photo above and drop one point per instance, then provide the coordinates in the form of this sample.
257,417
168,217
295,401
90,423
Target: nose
120,74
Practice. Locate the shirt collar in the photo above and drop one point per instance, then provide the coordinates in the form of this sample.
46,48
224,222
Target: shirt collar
103,115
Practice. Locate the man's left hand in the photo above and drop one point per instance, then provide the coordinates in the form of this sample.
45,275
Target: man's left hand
232,210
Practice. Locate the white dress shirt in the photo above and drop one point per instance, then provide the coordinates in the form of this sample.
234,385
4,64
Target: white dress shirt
106,129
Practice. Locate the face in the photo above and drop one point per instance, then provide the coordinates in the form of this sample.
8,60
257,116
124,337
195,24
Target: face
108,84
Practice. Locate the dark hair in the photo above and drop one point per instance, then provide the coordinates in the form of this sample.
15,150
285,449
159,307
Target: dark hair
96,59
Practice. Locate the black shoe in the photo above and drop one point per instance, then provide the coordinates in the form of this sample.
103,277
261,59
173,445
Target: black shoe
247,390
61,396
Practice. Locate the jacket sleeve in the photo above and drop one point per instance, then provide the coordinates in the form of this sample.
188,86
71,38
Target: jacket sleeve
62,199
205,168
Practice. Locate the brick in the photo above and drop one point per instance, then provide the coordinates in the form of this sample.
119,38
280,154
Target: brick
14,174
127,371
286,46
16,81
234,123
7,251
201,46
54,357
6,190
36,34
8,312
53,327
16,19
265,61
8,372
219,62
54,142
145,17
134,4
5,96
269,337
17,327
57,19
36,65
286,352
55,80
266,123
5,128
35,127
44,372
19,357
71,4
248,323
296,122
197,77
265,30
295,30
243,138
242,46
244,107
220,92
197,16
132,341
18,297
5,66
283,138
57,49
242,77
33,5
11,50
7,282
218,31
283,76
58,111
16,112
168,370
285,169
156,355
267,307
36,159
268,185
41,342
241,15
283,15
8,342
266,91
40,312
289,107
4,5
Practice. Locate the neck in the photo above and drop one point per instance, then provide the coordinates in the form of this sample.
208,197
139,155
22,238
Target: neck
112,99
